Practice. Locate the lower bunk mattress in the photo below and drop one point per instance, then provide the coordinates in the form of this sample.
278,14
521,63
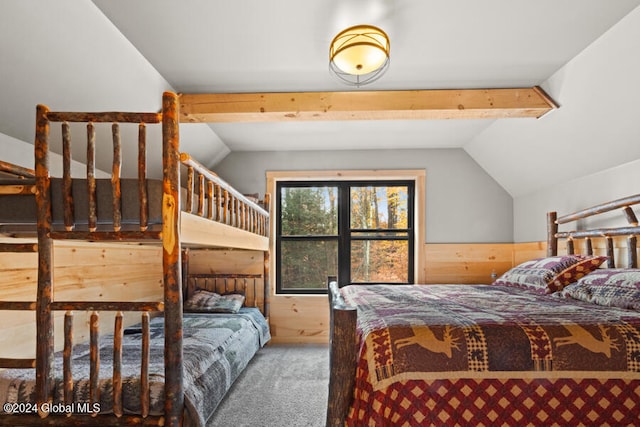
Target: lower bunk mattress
451,355
216,349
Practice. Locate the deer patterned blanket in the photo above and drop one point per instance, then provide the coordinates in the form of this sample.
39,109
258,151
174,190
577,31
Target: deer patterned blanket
427,332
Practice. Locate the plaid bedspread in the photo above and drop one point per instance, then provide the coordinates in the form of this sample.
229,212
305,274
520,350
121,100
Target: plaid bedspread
480,355
216,348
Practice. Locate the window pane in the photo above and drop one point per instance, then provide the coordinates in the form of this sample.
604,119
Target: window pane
308,211
379,207
380,261
306,264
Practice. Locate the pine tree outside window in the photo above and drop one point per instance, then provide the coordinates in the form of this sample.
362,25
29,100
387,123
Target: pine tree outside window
362,231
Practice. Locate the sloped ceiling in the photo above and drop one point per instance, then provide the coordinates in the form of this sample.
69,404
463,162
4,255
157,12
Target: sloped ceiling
105,55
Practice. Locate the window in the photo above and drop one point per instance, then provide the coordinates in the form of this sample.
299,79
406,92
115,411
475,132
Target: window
361,231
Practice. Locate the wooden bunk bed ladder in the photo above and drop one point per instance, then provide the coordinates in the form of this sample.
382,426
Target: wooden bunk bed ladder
169,237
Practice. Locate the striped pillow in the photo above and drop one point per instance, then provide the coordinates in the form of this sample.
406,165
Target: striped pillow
203,301
548,275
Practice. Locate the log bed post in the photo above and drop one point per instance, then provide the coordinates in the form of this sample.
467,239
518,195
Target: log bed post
552,229
44,317
171,264
342,355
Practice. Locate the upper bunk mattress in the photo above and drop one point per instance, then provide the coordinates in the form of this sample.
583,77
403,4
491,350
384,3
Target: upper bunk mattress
19,212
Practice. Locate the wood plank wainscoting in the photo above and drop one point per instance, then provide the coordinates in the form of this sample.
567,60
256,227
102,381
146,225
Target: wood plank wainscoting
305,318
82,271
301,318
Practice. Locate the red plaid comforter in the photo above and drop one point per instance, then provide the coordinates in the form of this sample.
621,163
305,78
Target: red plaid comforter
487,355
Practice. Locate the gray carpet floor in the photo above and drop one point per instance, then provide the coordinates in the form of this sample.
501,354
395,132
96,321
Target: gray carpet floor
284,385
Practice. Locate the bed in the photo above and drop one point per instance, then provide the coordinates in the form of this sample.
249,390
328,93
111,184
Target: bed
160,359
217,346
553,341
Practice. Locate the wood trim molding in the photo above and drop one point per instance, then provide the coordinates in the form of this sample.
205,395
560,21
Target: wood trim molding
366,105
417,175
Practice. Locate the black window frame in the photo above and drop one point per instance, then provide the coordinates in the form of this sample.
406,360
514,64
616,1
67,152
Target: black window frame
344,236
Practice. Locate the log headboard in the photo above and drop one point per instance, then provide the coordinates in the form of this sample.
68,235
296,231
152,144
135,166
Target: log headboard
630,230
249,285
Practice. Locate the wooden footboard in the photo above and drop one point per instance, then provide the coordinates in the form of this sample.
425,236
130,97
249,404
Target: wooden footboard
342,355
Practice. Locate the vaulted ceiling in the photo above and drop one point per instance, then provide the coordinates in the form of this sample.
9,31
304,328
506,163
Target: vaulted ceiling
72,54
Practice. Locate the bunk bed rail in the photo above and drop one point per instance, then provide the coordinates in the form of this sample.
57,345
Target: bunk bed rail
215,199
16,171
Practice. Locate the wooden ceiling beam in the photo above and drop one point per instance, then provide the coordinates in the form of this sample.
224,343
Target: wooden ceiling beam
365,105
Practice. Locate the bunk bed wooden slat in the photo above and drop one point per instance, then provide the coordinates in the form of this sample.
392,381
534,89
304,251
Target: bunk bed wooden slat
115,178
144,367
200,195
17,189
67,197
209,200
91,177
94,357
142,176
66,354
118,332
17,305
105,117
190,191
219,202
108,305
121,236
17,363
18,247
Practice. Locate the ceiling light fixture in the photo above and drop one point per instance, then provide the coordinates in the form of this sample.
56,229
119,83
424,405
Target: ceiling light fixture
359,55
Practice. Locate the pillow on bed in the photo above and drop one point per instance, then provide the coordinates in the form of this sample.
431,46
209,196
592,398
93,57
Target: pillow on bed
203,301
548,275
611,287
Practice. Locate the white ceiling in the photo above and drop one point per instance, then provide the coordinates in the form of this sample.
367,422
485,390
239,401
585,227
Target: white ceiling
73,55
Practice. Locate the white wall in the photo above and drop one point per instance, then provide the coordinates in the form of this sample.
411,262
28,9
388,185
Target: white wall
611,184
21,153
67,55
598,92
464,204
596,127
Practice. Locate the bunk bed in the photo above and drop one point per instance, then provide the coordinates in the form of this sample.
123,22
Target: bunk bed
156,371
553,341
